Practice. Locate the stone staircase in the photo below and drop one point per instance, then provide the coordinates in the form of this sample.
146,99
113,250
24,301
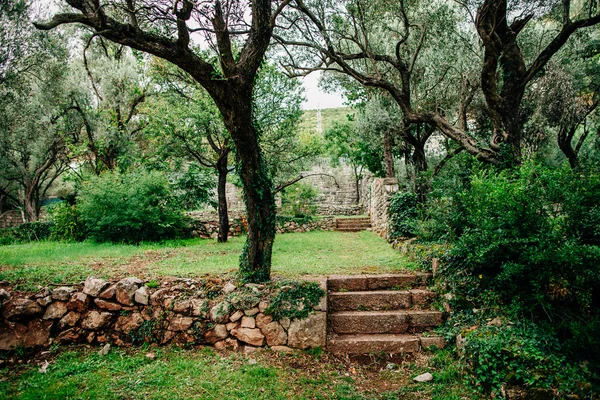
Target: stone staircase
352,224
381,313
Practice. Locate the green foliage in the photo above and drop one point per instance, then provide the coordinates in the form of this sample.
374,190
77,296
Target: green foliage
27,232
403,215
131,208
66,222
194,187
294,299
521,354
298,200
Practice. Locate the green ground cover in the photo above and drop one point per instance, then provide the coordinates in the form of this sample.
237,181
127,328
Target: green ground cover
294,255
177,373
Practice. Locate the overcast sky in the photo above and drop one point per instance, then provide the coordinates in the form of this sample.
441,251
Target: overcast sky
316,98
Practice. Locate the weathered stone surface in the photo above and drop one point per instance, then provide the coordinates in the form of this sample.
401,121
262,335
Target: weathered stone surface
236,316
156,298
369,322
94,286
62,293
229,288
262,306
126,289
250,336
309,332
218,333
422,319
107,305
109,293
221,345
282,349
34,333
69,320
79,302
180,323
362,344
127,324
373,301
21,308
437,341
90,337
232,325
96,320
426,377
142,295
422,298
220,312
70,335
263,320
248,322
44,301
350,283
181,307
199,308
4,295
286,322
275,334
251,312
55,310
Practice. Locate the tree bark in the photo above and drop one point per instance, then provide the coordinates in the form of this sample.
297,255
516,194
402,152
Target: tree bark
255,261
222,198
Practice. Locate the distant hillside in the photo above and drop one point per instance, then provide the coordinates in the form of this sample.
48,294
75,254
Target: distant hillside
329,117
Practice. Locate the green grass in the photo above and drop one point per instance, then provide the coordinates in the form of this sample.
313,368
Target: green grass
294,255
177,373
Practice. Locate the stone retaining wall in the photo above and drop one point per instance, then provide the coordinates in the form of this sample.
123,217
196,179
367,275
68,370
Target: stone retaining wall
184,311
11,219
382,190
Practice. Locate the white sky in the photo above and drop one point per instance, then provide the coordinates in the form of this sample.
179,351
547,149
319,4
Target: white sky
317,98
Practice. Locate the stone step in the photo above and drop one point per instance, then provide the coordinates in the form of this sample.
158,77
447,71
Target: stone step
336,283
355,225
377,343
363,322
379,300
351,229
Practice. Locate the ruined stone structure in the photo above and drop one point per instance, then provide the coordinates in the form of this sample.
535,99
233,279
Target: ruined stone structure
10,219
382,190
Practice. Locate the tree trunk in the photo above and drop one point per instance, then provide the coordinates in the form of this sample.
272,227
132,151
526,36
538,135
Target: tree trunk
31,210
389,157
419,161
255,261
222,197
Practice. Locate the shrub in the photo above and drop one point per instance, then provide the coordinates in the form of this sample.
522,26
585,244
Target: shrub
298,201
66,222
403,215
293,299
130,208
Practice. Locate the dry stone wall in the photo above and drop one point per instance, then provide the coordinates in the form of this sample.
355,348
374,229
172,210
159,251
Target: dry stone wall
184,311
382,190
10,219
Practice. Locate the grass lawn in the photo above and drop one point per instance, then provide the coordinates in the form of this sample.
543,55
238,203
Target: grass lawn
176,373
294,255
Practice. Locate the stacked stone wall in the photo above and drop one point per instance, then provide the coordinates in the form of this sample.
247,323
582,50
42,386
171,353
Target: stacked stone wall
382,190
130,312
10,219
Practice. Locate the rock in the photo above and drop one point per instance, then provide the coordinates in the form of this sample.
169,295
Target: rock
150,356
220,312
283,349
128,324
55,310
126,289
107,305
96,320
285,323
263,320
248,322
251,312
94,286
104,351
156,298
495,322
236,316
4,295
249,350
199,308
252,361
69,320
62,293
250,336
108,293
309,332
21,308
35,333
262,306
90,337
221,345
44,301
218,333
181,307
79,302
70,335
426,377
142,295
275,334
180,323
229,288
232,325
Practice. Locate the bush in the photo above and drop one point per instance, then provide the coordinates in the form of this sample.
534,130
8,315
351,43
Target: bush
298,201
130,208
403,215
67,225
